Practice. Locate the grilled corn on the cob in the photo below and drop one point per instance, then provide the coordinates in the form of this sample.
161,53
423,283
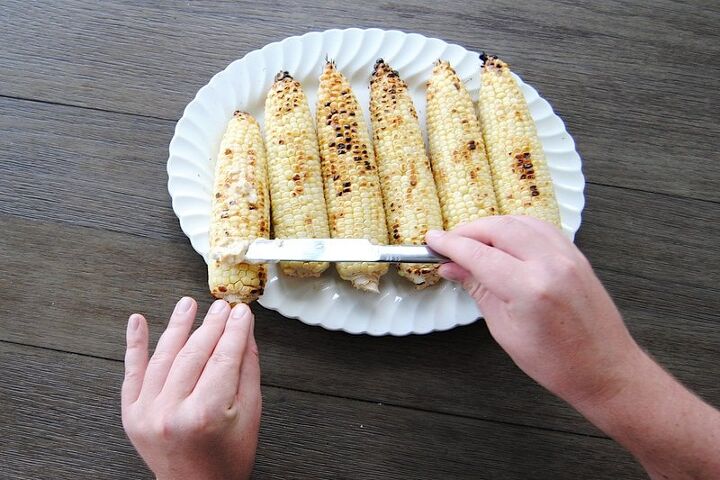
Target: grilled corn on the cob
352,186
457,152
520,173
240,211
296,186
409,194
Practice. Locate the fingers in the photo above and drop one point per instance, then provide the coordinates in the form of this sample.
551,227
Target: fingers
521,237
170,343
495,269
250,369
136,359
220,379
454,272
191,359
552,234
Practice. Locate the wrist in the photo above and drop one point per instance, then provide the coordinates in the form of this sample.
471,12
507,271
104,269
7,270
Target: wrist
625,388
605,379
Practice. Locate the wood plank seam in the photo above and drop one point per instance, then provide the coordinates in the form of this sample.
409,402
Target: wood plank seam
174,121
180,239
330,395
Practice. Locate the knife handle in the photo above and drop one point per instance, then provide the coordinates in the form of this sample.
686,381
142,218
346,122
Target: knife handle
410,254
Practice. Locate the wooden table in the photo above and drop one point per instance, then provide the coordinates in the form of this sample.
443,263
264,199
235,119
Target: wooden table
89,96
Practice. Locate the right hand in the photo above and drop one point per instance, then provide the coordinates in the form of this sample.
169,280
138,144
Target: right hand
542,303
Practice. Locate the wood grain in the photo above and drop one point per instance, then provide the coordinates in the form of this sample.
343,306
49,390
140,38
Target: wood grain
636,84
60,414
107,170
89,281
89,96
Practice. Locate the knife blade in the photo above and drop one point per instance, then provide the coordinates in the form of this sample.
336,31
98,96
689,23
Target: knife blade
337,250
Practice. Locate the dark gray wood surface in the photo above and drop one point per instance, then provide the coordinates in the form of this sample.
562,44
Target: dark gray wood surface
88,99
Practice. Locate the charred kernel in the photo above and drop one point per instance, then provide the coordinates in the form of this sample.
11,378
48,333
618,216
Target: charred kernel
534,193
367,220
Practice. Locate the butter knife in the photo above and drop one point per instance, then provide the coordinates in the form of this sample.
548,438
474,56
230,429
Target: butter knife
337,250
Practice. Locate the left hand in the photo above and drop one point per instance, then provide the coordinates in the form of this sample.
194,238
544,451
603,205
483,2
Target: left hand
193,409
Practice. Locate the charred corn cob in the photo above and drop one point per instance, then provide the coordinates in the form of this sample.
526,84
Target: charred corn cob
457,152
406,179
352,186
296,186
240,211
521,177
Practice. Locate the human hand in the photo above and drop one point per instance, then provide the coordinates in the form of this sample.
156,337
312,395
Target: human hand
542,303
193,409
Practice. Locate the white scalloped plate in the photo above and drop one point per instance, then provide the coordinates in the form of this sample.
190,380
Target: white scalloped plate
329,301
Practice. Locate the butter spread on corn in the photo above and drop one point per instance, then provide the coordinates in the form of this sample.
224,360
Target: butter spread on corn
230,251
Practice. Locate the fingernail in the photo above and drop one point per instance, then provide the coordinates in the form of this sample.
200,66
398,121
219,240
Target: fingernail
238,311
134,322
434,234
217,306
449,274
183,305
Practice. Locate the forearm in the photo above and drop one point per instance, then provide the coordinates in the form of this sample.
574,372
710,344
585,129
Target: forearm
673,433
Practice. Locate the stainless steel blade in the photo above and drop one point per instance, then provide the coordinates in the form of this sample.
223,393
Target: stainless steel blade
337,250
